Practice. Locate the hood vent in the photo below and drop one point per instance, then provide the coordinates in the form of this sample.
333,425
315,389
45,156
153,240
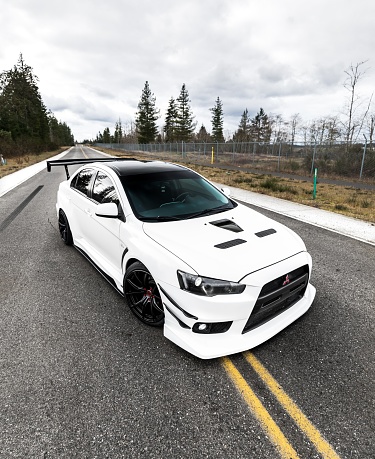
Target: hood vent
229,244
228,225
265,232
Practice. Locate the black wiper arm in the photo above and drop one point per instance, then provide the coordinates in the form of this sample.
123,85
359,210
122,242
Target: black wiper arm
159,218
165,218
203,212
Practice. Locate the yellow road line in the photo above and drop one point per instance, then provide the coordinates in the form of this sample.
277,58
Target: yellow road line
322,446
268,424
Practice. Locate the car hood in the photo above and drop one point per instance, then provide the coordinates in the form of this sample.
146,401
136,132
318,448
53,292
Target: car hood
227,245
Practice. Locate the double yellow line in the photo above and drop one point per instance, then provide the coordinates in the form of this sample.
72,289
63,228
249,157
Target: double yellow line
270,427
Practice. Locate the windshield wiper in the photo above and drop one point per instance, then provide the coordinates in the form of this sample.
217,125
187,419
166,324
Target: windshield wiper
161,218
166,218
215,210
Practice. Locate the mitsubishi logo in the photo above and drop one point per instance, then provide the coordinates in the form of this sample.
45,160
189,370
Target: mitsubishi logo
287,280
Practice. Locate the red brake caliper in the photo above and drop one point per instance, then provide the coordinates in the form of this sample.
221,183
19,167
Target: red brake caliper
148,294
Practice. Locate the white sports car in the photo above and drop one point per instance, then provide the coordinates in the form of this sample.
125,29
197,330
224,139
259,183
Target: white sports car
219,277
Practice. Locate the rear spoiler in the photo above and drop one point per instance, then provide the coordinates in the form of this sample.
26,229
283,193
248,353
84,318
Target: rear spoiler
75,162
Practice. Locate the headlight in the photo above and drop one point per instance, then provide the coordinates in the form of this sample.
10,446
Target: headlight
206,286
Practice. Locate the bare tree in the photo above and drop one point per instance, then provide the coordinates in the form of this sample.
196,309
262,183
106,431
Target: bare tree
332,130
354,75
279,133
364,117
295,120
371,129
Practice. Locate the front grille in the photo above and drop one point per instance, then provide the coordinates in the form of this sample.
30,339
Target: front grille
277,296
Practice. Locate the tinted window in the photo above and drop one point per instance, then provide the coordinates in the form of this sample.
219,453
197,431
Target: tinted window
174,195
103,189
82,181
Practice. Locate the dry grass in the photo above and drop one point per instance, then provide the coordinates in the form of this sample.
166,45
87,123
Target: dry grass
15,164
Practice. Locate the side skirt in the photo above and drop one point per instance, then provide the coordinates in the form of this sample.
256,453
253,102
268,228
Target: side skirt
108,278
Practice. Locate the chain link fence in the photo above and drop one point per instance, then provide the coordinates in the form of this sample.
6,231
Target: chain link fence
334,161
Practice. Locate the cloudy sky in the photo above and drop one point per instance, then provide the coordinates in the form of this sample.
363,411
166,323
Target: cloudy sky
92,57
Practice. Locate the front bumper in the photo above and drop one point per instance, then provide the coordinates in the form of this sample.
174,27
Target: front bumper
183,310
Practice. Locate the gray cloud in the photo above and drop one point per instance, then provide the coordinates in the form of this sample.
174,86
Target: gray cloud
93,58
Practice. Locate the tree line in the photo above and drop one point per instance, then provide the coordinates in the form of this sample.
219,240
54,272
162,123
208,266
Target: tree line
26,125
352,126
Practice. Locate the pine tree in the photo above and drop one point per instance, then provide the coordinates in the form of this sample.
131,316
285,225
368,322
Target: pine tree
203,135
217,121
22,111
243,132
23,115
106,135
260,127
185,120
171,121
147,116
118,132
59,133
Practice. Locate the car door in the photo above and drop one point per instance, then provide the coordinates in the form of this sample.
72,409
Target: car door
79,198
103,234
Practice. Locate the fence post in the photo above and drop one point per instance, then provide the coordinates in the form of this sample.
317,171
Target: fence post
313,159
278,160
363,157
315,177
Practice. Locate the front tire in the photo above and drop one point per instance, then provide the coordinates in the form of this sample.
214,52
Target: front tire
142,295
64,229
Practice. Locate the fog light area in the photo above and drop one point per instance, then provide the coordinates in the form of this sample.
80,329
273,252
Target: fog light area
210,328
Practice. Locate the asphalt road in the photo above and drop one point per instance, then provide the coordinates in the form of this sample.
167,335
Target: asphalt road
81,378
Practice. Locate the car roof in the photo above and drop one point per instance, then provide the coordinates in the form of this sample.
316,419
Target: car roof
135,167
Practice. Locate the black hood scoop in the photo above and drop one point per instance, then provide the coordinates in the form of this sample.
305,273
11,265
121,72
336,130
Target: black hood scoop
229,244
229,225
266,232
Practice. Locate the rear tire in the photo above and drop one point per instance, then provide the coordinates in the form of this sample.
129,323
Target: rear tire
64,229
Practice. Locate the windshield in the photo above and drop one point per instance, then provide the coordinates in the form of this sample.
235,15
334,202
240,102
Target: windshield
176,195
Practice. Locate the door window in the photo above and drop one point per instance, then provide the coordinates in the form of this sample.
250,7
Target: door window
103,190
82,181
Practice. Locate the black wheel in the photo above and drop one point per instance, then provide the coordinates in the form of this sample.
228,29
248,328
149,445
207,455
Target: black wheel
142,295
64,228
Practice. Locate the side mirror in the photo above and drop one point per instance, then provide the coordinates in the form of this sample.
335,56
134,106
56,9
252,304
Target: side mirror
107,210
226,191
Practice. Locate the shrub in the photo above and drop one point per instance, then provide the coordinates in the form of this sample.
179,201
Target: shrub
273,184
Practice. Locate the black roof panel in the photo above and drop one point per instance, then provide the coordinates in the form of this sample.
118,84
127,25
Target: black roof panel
134,167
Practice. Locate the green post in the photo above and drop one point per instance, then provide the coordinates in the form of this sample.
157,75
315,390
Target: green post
315,177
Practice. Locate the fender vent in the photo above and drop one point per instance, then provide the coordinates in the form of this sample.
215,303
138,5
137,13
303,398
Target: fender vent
265,232
227,224
229,244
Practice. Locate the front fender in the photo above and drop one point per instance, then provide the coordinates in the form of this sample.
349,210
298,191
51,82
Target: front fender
160,262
